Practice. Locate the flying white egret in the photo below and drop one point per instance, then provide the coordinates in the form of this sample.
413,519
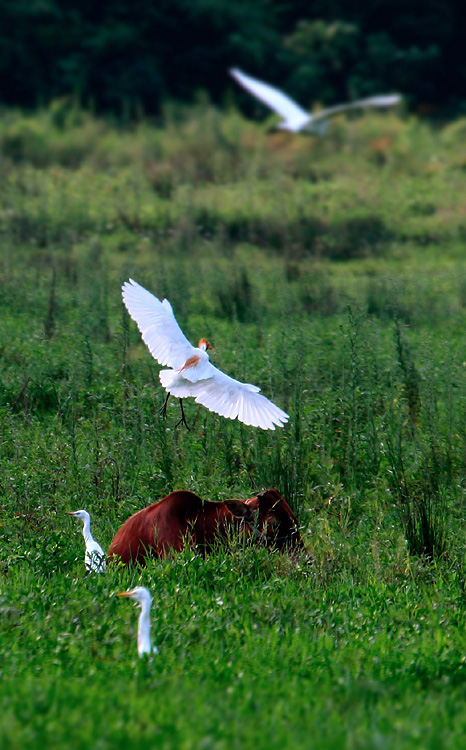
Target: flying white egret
142,596
294,117
94,557
192,373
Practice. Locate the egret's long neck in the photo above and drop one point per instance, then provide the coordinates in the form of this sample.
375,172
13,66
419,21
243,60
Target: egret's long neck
87,530
144,642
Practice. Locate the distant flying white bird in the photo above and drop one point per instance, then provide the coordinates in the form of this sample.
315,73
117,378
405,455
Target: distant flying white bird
94,557
142,596
192,374
294,117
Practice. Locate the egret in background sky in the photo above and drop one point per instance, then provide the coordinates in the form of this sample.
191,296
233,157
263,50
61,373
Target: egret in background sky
296,119
142,596
94,557
192,373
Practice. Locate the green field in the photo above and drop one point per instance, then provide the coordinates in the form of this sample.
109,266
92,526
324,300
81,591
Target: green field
331,273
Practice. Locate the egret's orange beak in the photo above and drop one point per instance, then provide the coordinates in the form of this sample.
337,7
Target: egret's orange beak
125,593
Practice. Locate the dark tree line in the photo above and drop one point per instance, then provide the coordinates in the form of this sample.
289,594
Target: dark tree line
121,55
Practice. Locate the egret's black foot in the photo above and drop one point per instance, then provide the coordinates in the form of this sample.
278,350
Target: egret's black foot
163,408
183,418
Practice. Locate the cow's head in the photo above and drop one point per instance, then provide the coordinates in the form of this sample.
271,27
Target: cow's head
276,520
243,513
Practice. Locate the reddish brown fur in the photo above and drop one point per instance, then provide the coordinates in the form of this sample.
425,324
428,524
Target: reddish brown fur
182,516
166,525
276,520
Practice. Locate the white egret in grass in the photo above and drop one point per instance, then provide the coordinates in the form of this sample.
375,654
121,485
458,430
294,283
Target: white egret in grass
191,373
142,596
295,118
94,556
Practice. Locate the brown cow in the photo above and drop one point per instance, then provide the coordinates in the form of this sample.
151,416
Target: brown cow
182,516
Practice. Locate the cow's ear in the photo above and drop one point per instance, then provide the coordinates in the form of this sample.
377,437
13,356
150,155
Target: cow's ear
238,508
268,500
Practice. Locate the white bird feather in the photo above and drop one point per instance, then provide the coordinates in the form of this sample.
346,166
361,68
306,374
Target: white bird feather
294,117
191,373
94,556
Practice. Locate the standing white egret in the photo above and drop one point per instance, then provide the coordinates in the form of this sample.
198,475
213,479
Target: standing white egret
94,557
294,117
142,596
192,373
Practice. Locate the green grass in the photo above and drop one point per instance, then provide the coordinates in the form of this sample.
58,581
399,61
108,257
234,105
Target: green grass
332,274
252,650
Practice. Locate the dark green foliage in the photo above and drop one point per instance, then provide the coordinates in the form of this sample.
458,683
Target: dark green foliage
124,56
411,379
236,298
386,300
354,238
420,498
49,324
129,58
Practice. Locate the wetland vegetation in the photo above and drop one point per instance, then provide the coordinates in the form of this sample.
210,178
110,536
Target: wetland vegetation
332,273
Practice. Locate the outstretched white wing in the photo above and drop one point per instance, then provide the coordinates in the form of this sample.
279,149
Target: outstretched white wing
382,100
235,400
193,374
159,329
295,116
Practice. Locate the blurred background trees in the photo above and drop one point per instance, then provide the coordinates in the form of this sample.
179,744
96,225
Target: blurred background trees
130,57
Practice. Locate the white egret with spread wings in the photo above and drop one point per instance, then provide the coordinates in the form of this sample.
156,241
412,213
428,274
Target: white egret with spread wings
192,373
294,117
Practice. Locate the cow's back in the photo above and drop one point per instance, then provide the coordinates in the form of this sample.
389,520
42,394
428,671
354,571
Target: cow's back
157,529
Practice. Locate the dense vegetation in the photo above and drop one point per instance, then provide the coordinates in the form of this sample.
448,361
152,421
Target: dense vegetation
331,273
124,57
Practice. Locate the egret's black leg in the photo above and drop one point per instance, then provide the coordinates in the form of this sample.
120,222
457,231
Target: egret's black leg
183,418
163,408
